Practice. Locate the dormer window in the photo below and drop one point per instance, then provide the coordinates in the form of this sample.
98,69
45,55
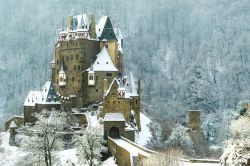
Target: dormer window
107,63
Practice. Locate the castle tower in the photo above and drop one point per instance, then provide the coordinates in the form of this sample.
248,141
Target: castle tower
106,35
92,32
194,120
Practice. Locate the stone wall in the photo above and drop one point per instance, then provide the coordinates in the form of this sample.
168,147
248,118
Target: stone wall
129,134
113,104
95,93
194,121
121,155
109,124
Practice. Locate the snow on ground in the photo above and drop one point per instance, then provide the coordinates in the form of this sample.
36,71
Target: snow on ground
109,162
9,155
93,121
67,157
145,133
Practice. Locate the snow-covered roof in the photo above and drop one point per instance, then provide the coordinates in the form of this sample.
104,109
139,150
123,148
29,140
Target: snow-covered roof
132,88
32,98
100,25
13,125
81,21
103,62
126,84
46,96
114,117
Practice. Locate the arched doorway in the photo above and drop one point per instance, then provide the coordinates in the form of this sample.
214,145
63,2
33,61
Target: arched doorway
114,132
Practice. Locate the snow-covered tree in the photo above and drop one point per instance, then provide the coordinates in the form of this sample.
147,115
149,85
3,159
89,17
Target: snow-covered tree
179,138
43,138
89,147
237,151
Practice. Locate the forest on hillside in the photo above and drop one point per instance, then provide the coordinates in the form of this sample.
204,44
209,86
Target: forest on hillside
191,54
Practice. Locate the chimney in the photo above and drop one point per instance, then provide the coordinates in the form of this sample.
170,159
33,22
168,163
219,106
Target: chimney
92,31
194,120
105,85
70,22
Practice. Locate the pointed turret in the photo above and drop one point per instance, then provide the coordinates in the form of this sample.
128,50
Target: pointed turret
62,75
91,76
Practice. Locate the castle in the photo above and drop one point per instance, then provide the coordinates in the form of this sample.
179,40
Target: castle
88,70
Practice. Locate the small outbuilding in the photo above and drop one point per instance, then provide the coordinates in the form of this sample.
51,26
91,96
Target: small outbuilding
18,121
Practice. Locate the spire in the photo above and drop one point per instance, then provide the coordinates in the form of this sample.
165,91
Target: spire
62,67
92,67
82,22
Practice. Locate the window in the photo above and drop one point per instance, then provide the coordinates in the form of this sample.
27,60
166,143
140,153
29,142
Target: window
107,62
91,77
109,74
74,67
61,79
96,78
79,67
96,90
76,57
73,79
67,44
72,57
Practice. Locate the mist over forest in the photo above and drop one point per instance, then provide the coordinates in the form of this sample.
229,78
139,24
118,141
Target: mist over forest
189,54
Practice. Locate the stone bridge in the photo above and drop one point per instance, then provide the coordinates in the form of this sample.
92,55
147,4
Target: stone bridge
126,152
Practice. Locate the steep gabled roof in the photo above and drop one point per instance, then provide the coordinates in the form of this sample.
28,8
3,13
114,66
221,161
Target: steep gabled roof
49,95
100,26
104,29
120,86
46,96
32,98
103,62
13,125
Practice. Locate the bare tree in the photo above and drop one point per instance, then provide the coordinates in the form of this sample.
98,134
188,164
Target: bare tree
44,137
89,147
